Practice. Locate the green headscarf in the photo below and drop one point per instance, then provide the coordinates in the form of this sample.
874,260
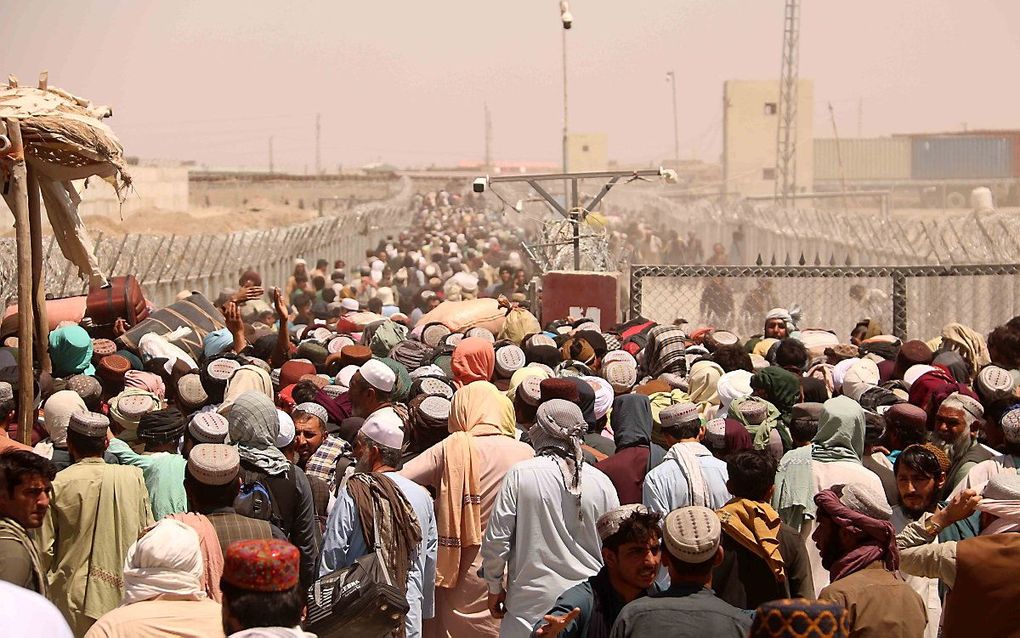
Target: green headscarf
782,389
840,438
840,432
71,351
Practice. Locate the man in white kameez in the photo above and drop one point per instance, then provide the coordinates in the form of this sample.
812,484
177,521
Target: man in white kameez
541,534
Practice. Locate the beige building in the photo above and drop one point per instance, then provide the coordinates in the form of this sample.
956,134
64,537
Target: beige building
750,124
587,152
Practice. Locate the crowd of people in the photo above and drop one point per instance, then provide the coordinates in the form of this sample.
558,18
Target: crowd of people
509,477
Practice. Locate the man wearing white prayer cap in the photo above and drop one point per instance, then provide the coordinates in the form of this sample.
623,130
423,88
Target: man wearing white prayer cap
957,418
403,513
692,538
371,387
631,548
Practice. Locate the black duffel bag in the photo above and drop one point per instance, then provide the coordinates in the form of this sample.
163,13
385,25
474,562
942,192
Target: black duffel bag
360,600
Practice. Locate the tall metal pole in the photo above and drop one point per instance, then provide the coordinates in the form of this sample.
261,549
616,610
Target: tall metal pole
566,168
270,154
671,76
786,132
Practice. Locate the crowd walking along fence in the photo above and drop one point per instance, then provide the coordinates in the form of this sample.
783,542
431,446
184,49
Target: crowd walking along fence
908,301
211,263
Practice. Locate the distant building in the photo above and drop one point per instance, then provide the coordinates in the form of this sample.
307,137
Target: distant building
750,124
587,152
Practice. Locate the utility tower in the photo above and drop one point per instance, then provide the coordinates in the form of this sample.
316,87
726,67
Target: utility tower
786,133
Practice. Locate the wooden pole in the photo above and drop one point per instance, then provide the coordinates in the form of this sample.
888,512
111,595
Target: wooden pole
42,324
16,195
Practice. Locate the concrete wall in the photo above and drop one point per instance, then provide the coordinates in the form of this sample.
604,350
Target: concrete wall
750,123
165,188
242,190
587,152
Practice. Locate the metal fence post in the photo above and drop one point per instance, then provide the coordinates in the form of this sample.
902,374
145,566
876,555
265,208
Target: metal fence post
636,274
899,280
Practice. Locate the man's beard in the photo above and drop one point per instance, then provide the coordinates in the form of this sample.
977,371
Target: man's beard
914,514
953,449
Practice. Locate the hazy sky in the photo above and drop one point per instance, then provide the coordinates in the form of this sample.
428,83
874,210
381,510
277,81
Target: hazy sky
405,82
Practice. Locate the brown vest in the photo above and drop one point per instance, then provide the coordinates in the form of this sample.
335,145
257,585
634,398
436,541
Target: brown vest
986,596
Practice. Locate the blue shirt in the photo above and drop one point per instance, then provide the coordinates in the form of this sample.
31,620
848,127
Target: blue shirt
344,543
666,488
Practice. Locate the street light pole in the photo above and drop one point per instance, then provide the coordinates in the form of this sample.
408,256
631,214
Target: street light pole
569,195
565,167
671,78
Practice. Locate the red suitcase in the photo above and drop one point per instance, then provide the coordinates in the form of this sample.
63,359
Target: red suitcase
122,299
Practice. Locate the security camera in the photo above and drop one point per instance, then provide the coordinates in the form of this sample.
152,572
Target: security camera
478,185
565,16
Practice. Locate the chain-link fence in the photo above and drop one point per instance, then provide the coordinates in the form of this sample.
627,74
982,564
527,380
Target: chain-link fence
211,263
914,301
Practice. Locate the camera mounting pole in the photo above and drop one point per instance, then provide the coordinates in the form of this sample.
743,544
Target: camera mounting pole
571,208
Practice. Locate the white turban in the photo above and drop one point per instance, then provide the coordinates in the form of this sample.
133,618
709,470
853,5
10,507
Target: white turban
733,385
167,560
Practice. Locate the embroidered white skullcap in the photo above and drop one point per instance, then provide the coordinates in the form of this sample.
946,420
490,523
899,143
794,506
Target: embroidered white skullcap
509,359
866,500
678,414
314,409
208,427
994,383
1010,423
621,375
90,424
349,304
214,463
715,433
971,406
621,356
692,534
